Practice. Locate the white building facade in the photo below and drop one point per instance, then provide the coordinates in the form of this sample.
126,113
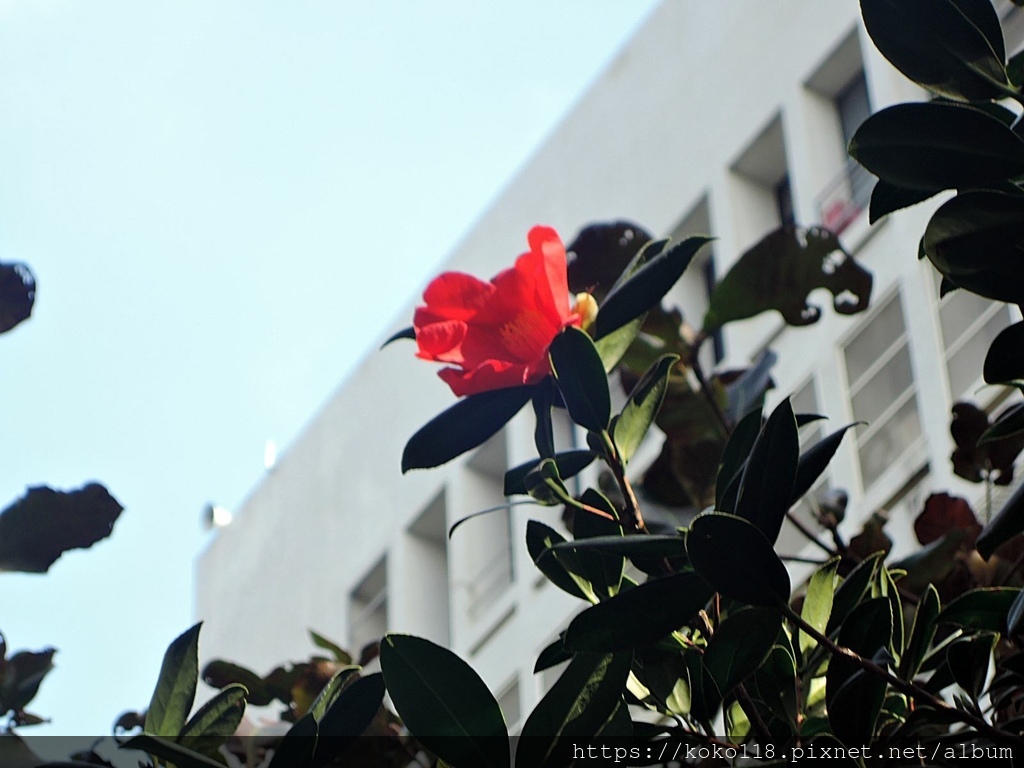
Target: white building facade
718,118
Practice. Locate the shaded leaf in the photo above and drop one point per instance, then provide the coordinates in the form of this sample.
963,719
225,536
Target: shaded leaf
1007,523
554,653
543,432
464,426
779,272
734,459
17,295
641,407
747,391
736,559
43,524
602,569
22,674
405,333
166,749
968,659
569,463
766,489
574,710
221,674
340,654
1004,361
740,645
581,379
983,609
887,197
652,545
348,717
639,616
814,461
852,590
921,634
444,703
297,746
558,567
176,686
215,721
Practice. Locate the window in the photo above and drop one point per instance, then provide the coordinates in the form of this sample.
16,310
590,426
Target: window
508,699
426,559
881,388
761,187
854,107
368,609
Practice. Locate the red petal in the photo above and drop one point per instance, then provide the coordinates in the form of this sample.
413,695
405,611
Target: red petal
456,295
440,341
494,374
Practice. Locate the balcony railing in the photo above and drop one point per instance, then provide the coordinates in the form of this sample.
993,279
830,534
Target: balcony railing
845,196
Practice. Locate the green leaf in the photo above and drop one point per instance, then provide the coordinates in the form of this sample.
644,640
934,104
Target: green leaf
560,566
575,709
405,333
43,524
891,593
22,675
444,703
545,485
1007,523
937,145
779,272
298,745
166,749
215,721
646,286
1009,423
951,48
651,545
464,426
612,346
642,406
969,659
581,379
973,240
176,686
1015,614
734,459
921,634
818,603
340,654
740,645
887,197
220,674
814,461
736,559
984,609
339,681
1004,362
640,616
554,653
766,490
543,432
602,569
348,717
569,463
853,589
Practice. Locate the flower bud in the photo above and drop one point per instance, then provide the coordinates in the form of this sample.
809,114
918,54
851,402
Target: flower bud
586,308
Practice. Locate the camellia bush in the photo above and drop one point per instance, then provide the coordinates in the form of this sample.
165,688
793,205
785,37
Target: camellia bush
714,656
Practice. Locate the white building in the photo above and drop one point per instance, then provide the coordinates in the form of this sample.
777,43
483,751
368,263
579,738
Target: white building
723,118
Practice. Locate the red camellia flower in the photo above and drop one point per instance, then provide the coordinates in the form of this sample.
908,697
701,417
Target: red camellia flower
496,334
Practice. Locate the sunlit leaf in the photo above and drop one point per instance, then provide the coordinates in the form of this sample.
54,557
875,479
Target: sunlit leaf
176,686
641,407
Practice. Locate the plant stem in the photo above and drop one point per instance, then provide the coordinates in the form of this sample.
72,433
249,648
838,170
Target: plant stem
755,717
809,534
911,689
632,519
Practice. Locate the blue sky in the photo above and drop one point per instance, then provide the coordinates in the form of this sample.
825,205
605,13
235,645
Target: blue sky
225,204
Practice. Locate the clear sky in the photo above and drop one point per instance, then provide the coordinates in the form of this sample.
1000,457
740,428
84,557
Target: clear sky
225,204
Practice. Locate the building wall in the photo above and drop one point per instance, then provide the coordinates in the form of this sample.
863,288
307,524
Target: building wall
698,119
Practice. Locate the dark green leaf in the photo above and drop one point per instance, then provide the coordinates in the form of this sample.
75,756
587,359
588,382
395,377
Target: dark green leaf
734,459
969,660
444,703
1015,614
554,653
766,489
887,197
921,633
640,616
1007,523
891,593
558,567
176,687
931,146
339,681
854,707
340,654
166,749
405,333
22,674
220,674
581,379
601,568
348,717
736,559
853,589
612,346
644,288
973,239
779,272
642,406
464,426
545,485
740,645
215,721
543,431
814,461
746,392
298,745
43,524
1004,361
574,710
569,463
954,48
618,728
984,609
653,545
818,603
1009,423
17,295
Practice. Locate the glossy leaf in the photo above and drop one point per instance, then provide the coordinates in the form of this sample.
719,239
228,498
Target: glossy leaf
43,524
740,645
444,703
766,489
405,333
543,432
852,590
734,459
817,605
554,653
921,634
644,288
1010,423
569,464
639,616
602,569
652,545
887,198
176,686
641,407
166,749
973,240
1007,523
969,659
348,717
339,681
215,721
464,426
1004,361
298,745
581,379
814,461
17,295
984,609
558,567
936,145
779,272
951,47
574,710
736,559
